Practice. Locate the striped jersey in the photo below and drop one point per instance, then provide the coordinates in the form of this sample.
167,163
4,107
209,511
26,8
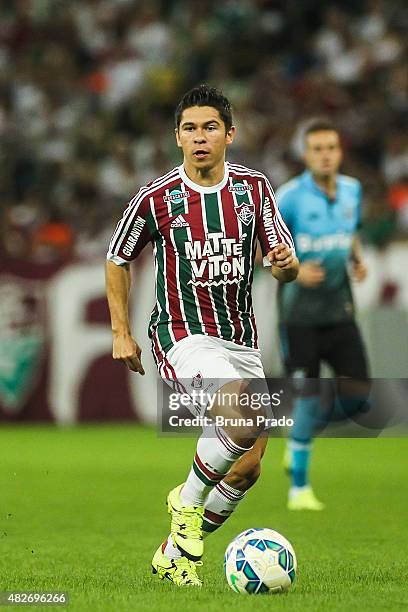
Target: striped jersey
204,243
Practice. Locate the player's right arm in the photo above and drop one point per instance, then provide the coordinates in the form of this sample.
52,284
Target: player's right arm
125,347
131,235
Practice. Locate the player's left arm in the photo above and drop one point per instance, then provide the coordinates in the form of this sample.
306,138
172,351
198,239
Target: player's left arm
359,268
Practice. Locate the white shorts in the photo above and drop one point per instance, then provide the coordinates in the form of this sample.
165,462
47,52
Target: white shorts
205,364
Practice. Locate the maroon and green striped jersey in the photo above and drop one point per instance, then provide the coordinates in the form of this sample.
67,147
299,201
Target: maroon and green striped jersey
204,242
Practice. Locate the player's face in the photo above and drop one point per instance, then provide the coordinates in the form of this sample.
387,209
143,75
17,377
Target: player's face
202,137
323,153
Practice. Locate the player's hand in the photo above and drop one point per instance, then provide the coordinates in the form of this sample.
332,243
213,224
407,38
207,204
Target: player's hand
126,349
311,274
359,270
281,256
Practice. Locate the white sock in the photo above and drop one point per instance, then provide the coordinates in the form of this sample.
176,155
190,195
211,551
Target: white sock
216,452
170,550
219,505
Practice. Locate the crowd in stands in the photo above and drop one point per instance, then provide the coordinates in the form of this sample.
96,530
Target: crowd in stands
88,89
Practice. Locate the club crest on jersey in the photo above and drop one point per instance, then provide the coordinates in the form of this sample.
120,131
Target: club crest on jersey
245,211
197,382
176,196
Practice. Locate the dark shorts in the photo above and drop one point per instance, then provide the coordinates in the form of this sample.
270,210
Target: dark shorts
340,346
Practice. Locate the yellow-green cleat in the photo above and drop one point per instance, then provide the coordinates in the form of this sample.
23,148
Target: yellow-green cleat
304,499
186,526
182,572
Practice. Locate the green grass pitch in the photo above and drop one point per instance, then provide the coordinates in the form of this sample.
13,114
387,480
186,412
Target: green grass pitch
82,510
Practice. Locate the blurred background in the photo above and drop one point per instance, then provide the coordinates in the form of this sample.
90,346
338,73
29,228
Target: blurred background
87,94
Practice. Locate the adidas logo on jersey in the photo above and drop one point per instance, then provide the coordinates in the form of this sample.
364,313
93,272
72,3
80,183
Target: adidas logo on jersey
179,221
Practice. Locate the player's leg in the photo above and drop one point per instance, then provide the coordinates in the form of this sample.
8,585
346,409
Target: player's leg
217,449
220,447
344,351
219,505
224,499
300,352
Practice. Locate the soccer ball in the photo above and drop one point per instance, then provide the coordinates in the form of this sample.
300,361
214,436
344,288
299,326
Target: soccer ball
260,561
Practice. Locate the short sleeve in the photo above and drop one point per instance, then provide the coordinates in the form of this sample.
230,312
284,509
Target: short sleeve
132,233
284,199
272,229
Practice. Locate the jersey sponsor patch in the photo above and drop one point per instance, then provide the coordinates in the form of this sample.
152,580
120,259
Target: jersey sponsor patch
134,236
269,225
306,243
240,188
215,258
176,196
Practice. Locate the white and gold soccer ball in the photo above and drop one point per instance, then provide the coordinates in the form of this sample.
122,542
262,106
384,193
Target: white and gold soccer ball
260,560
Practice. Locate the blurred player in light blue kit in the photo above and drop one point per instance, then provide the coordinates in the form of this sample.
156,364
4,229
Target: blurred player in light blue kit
322,209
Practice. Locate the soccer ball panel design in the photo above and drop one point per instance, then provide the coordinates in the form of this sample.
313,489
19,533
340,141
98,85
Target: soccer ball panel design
260,560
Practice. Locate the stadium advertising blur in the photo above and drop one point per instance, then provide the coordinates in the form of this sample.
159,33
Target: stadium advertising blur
49,312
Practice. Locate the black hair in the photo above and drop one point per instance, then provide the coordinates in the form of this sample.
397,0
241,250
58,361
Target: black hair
203,95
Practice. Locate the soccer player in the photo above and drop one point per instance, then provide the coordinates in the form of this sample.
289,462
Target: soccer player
204,219
322,209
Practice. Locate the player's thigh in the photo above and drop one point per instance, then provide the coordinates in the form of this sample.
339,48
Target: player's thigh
248,364
299,350
345,352
197,359
200,367
246,361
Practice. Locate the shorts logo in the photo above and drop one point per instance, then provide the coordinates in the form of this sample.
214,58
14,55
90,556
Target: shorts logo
197,382
176,196
245,212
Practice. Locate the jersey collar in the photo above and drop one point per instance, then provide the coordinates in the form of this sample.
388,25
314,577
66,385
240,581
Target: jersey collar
200,188
308,179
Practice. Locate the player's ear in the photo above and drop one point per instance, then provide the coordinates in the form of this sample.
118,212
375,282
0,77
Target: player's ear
304,155
230,135
176,131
